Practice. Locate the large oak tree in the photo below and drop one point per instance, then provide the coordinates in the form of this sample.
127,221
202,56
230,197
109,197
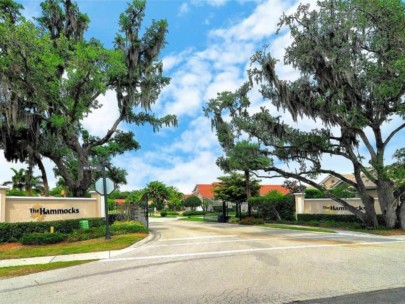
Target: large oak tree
51,77
351,59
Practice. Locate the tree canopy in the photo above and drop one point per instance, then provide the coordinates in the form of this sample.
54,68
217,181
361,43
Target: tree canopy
192,201
232,188
351,59
51,77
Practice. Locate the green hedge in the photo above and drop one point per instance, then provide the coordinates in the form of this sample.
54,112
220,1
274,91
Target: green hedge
128,227
12,232
347,218
251,221
266,206
42,238
190,213
169,212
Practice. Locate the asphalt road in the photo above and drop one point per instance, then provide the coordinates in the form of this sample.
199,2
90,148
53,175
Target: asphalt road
194,262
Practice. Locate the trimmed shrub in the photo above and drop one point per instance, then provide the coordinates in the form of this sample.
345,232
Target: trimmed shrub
86,234
171,212
274,203
42,238
233,220
128,227
163,213
192,201
251,221
192,212
313,193
327,217
12,232
346,218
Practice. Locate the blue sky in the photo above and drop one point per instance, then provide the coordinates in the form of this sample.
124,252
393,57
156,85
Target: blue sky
209,46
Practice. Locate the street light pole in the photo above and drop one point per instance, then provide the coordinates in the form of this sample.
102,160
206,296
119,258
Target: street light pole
107,224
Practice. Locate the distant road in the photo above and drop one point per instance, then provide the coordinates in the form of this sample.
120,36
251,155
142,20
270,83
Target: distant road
194,262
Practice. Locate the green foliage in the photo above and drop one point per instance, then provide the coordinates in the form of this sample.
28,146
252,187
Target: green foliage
42,238
232,188
123,227
157,192
243,156
54,76
11,232
233,220
251,221
174,201
163,213
346,95
16,192
314,193
332,219
274,206
193,212
342,191
169,212
192,201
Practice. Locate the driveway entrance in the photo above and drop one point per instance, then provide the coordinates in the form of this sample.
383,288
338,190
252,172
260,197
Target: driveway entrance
199,262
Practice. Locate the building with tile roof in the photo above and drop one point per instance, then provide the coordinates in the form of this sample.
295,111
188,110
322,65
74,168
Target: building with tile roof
207,190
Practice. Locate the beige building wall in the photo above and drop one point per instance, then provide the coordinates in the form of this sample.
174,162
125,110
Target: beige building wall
327,206
32,209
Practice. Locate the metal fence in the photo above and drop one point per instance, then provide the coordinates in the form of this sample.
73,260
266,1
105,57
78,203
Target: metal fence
131,212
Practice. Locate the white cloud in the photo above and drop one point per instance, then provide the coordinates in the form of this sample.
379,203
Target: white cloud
184,9
188,161
214,3
100,120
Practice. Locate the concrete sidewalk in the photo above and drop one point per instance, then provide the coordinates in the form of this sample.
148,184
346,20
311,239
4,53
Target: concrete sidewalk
76,257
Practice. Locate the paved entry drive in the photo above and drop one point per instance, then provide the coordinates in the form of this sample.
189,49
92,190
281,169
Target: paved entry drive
193,262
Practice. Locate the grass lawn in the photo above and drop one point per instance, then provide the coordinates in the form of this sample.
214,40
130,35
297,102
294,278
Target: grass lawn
193,219
386,232
16,271
16,250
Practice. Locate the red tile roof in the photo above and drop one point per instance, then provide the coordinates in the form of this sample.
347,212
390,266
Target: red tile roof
207,190
264,189
120,201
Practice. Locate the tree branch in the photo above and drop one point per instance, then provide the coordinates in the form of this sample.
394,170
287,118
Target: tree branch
393,134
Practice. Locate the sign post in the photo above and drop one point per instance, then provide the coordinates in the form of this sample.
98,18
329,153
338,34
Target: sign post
105,186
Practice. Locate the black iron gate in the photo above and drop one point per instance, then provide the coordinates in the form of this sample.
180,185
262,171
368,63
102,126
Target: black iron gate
220,213
132,212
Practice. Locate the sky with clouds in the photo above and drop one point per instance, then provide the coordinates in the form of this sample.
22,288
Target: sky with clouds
209,46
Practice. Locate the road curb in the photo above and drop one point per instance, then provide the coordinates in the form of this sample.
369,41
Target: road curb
100,255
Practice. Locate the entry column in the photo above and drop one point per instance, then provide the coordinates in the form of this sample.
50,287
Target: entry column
3,203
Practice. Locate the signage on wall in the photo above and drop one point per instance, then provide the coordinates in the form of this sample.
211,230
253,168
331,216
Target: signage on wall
332,208
39,213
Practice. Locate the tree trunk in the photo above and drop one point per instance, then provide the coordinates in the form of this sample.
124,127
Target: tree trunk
402,216
388,202
43,176
276,213
370,217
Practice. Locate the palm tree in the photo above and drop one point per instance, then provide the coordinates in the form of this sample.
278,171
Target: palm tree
24,180
17,180
156,192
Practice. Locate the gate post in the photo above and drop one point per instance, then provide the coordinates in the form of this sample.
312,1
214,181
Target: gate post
299,204
3,203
